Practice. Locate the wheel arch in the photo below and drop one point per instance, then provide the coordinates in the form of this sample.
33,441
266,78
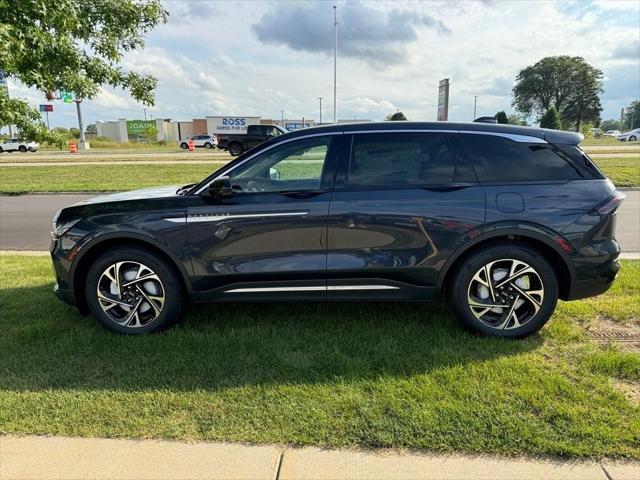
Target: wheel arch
545,245
95,247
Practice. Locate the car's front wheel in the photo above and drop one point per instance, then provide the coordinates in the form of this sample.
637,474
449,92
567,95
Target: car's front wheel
22,149
632,138
131,290
508,290
184,146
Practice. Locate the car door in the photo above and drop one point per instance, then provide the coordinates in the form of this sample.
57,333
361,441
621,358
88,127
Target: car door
256,136
403,202
267,238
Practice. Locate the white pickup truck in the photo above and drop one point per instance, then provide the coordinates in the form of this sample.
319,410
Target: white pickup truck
18,145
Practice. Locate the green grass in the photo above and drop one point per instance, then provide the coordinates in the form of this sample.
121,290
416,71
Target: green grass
370,375
625,172
605,141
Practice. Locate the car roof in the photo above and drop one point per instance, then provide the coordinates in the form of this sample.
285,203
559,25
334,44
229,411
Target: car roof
552,136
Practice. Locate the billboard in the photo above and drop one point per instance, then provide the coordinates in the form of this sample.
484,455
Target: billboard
230,124
443,100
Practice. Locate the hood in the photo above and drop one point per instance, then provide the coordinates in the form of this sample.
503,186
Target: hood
142,194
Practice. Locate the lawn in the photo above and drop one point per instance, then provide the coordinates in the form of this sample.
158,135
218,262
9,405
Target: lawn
370,375
625,172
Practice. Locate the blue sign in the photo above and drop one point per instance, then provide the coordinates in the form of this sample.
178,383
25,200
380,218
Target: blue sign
296,126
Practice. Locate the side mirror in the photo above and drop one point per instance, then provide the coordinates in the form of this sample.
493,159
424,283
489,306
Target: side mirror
274,173
220,188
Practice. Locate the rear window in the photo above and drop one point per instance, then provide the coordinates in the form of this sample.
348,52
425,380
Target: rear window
498,160
401,160
580,160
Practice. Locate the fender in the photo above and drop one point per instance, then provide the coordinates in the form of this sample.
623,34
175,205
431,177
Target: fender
502,229
125,235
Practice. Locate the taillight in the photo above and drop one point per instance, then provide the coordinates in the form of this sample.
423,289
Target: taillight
611,203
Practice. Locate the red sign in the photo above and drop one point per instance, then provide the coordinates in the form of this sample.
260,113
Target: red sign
47,107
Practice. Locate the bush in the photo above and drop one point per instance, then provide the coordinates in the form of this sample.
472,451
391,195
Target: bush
551,119
501,117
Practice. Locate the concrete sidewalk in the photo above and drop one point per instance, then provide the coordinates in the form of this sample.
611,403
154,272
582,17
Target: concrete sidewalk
31,457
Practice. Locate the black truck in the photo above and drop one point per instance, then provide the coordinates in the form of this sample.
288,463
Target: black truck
237,144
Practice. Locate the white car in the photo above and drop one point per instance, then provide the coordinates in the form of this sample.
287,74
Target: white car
611,133
206,141
18,145
631,136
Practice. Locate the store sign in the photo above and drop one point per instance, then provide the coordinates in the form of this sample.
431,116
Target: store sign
46,107
135,127
3,81
443,100
230,124
290,126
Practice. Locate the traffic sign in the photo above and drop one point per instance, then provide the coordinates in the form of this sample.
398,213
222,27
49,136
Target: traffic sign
46,107
67,97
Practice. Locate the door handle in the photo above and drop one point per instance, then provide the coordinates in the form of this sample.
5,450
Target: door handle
300,193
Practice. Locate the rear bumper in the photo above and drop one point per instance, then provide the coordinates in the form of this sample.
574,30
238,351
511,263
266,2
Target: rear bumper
600,280
66,296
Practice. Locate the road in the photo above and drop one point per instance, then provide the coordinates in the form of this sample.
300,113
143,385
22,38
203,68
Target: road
25,220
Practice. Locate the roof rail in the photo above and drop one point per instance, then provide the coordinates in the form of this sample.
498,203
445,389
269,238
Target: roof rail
486,120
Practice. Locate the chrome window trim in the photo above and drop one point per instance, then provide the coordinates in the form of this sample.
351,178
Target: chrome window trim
231,169
511,136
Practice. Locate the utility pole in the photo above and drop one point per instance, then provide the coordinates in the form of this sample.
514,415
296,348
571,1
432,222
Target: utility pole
475,102
320,98
282,118
4,84
84,145
335,63
145,114
622,119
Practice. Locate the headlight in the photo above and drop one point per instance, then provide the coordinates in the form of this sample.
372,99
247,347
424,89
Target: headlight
58,229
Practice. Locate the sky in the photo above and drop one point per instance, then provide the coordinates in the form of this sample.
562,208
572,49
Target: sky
258,58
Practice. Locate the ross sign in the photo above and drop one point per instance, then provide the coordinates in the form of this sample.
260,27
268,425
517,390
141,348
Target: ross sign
230,124
135,127
3,82
443,100
46,107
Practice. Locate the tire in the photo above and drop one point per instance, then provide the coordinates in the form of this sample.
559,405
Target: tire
184,145
1,150
207,145
632,138
22,149
515,315
159,301
235,149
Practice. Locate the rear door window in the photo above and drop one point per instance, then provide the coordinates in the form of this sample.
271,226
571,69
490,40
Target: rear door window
501,160
402,160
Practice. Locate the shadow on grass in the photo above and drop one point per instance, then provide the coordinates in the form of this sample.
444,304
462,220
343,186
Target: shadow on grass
46,344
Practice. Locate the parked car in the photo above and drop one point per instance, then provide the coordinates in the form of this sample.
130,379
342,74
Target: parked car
631,136
611,133
596,132
18,145
205,141
499,219
238,143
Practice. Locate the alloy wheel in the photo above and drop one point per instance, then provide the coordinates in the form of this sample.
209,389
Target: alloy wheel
505,294
131,294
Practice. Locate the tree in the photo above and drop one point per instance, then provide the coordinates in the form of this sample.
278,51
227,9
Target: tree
501,117
518,120
396,116
568,84
632,115
71,45
551,119
91,128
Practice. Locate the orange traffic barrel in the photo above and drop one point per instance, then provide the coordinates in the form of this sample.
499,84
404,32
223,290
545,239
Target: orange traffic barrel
192,145
73,147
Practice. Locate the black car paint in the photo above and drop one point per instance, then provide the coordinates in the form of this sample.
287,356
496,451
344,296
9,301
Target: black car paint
409,238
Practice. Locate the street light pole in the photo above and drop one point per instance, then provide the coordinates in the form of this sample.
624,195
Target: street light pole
282,118
320,98
475,101
83,143
335,62
145,114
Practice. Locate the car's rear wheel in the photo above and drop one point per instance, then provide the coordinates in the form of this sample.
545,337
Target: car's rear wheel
235,149
22,149
130,290
207,145
184,145
632,138
508,290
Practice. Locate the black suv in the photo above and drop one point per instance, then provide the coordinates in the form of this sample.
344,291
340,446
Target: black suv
502,220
